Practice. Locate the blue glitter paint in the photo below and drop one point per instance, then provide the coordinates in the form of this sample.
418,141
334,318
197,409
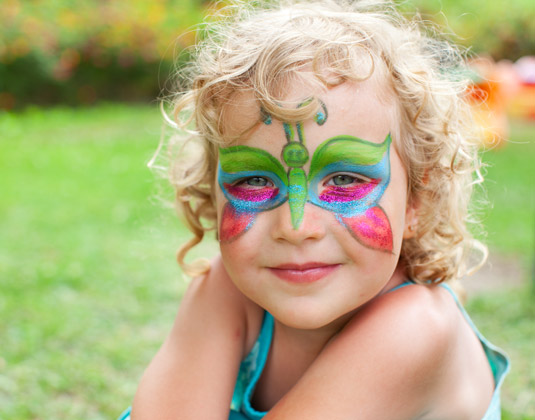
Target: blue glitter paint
379,171
252,206
266,118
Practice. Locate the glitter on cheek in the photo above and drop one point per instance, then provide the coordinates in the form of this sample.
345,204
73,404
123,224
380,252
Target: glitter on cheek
372,229
234,223
333,193
251,194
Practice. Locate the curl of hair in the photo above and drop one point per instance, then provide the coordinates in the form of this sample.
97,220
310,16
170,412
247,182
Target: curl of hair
261,47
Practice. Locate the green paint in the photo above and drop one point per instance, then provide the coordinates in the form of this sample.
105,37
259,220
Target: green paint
244,158
297,195
347,149
295,155
300,133
289,132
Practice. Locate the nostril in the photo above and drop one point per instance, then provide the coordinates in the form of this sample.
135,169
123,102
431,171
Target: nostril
310,227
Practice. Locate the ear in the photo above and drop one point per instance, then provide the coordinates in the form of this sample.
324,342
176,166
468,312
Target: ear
411,220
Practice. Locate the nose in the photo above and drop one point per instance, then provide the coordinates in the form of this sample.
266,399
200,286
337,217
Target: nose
312,226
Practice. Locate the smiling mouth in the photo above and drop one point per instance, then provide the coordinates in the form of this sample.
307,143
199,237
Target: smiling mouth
303,273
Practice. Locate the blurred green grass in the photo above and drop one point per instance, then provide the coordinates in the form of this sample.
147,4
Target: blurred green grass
87,272
509,184
507,317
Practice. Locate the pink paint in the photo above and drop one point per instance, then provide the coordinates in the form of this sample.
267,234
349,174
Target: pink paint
251,194
372,229
334,193
233,223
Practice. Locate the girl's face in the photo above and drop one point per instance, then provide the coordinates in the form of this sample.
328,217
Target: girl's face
311,215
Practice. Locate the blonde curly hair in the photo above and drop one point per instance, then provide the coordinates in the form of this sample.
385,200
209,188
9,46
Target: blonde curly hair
260,47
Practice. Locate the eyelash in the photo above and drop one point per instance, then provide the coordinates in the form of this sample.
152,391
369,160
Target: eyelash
244,182
358,178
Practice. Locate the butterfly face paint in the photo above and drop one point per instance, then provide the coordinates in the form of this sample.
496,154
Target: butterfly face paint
356,204
253,181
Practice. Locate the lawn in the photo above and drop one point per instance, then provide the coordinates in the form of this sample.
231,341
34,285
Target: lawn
509,184
87,271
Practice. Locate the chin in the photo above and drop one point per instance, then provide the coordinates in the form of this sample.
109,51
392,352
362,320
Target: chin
308,318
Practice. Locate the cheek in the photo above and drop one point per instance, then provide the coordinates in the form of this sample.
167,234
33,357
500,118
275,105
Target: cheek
374,268
233,224
372,229
240,258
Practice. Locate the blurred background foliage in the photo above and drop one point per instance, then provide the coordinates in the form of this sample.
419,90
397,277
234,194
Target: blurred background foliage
501,29
78,52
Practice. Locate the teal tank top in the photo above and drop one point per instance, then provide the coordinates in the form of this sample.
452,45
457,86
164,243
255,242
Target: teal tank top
252,366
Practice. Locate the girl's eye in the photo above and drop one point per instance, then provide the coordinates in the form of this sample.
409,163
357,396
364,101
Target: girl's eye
256,182
342,180
345,179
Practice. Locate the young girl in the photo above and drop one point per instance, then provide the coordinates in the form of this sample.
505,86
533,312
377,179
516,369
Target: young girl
337,159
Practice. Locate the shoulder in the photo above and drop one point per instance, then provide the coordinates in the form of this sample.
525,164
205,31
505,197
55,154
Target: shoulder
431,358
418,317
186,375
215,300
404,341
215,289
418,321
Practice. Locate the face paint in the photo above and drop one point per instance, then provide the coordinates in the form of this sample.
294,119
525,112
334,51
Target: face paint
295,155
356,158
332,193
371,229
355,206
237,165
234,223
251,195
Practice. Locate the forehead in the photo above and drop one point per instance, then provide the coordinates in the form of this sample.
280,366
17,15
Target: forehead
361,109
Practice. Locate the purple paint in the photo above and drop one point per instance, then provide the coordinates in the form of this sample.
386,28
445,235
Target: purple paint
371,229
251,194
334,193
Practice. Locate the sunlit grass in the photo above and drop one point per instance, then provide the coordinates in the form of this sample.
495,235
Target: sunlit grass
88,276
508,319
509,183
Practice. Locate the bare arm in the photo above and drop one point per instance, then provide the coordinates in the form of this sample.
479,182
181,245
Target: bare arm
193,374
385,364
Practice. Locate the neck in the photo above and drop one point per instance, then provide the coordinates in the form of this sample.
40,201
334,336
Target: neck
310,342
313,341
291,354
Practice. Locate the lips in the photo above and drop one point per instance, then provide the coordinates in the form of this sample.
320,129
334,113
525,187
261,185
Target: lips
303,273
